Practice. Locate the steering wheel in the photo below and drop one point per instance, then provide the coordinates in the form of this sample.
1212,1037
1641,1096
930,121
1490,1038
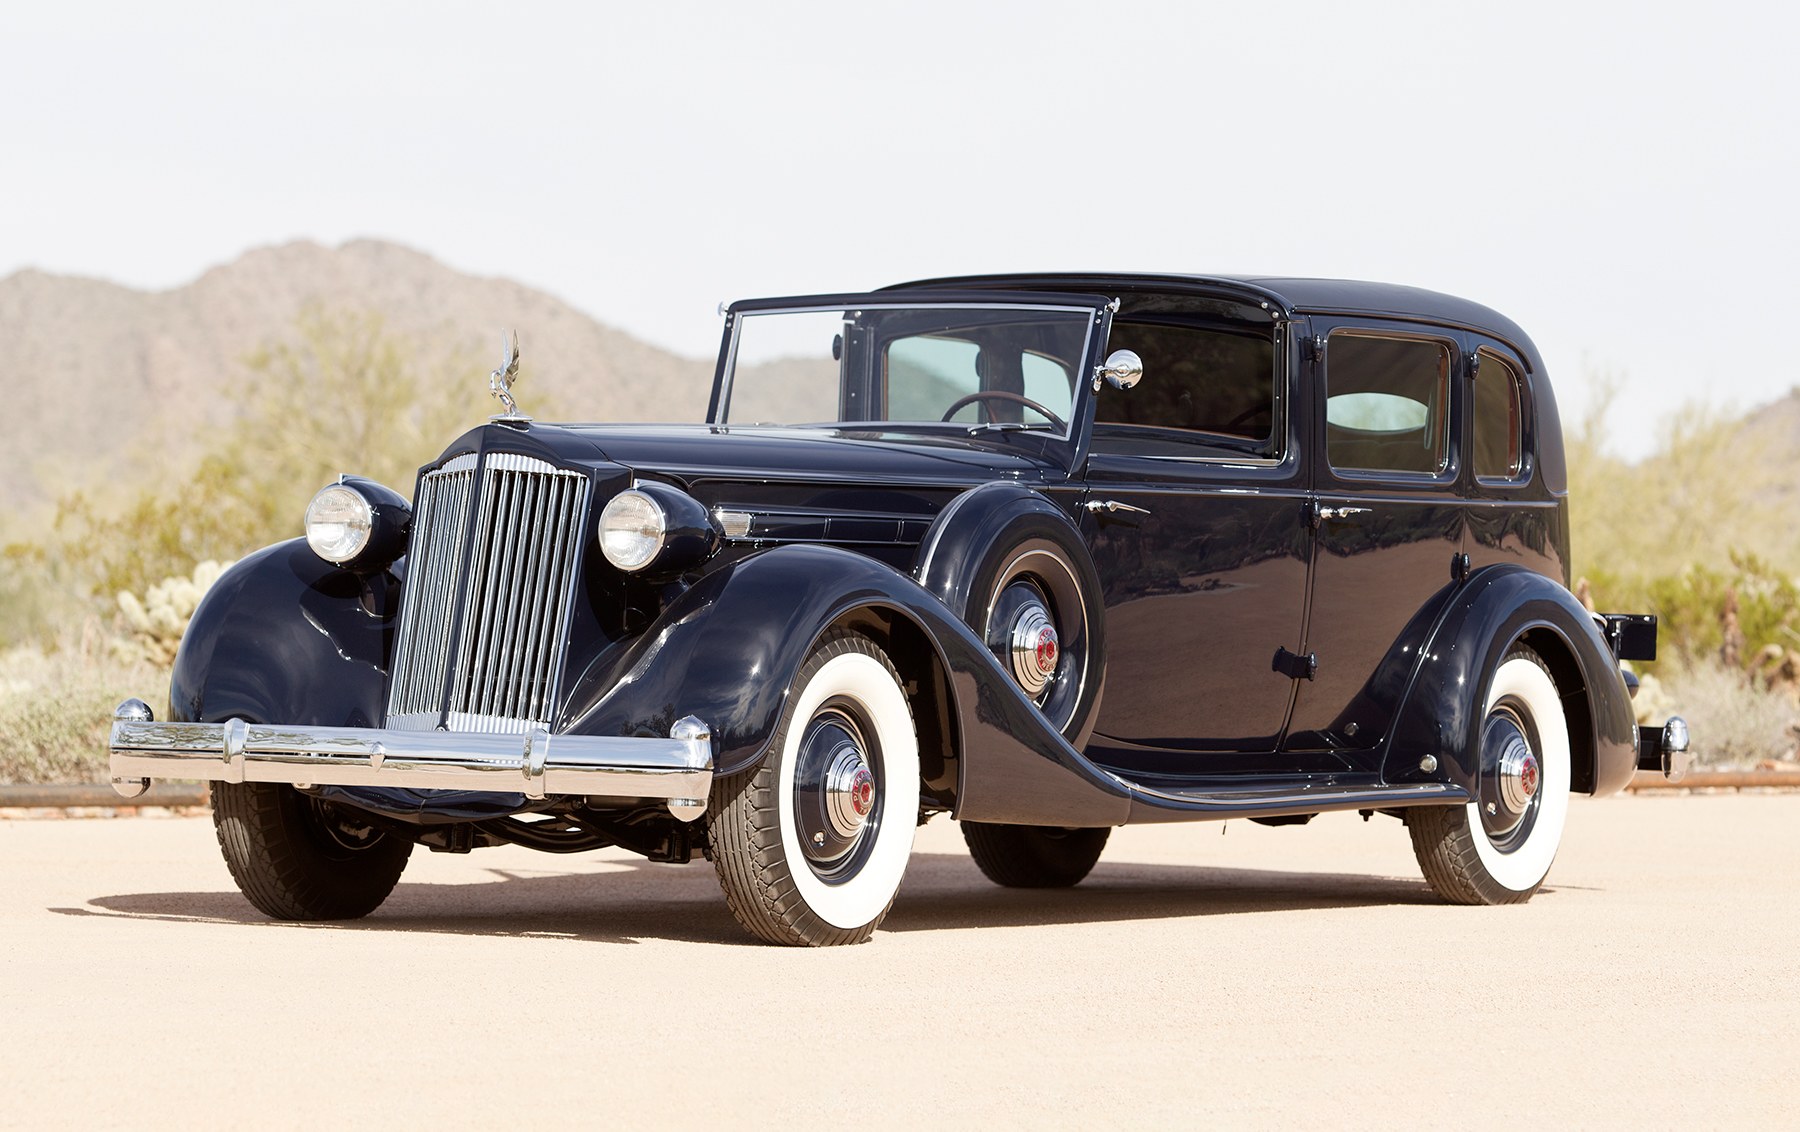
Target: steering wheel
1245,417
1003,395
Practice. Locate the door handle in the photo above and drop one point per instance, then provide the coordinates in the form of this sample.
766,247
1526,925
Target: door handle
1111,505
1322,513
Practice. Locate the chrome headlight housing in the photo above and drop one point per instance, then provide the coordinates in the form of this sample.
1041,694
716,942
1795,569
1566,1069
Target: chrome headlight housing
358,524
653,528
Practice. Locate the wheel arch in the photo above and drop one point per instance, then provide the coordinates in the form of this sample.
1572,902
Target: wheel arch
728,648
1498,607
925,681
1558,656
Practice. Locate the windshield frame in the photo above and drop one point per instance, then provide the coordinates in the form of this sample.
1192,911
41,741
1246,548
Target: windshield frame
1096,309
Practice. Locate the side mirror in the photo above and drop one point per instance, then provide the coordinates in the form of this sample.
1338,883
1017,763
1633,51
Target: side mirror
1123,369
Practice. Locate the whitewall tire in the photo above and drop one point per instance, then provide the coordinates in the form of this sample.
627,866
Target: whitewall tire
1498,848
811,845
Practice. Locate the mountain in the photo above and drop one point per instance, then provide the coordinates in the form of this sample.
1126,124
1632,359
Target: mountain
109,379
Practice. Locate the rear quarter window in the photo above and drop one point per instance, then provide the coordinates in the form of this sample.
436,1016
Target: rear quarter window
1387,404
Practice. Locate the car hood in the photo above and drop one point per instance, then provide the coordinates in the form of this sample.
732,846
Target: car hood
706,452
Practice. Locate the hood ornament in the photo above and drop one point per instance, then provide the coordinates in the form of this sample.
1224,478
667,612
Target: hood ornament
500,382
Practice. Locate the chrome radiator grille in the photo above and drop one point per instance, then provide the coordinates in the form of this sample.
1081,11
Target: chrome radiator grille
484,619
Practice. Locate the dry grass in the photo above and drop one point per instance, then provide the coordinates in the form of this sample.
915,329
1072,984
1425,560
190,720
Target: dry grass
1736,725
56,704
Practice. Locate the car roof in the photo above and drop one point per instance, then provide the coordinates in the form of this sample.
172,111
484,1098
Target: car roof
1291,294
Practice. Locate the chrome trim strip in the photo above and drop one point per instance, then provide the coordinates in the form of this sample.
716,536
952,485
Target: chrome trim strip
737,326
1321,799
536,763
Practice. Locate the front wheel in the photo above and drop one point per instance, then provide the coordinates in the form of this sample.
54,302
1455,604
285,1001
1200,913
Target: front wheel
1498,848
810,845
297,858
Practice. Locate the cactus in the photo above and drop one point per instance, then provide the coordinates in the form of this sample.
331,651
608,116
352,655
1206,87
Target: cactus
156,622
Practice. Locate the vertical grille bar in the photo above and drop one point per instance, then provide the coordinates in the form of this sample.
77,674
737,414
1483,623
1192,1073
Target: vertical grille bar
499,544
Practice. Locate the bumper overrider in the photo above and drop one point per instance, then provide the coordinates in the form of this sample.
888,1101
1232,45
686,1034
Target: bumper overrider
1664,750
677,770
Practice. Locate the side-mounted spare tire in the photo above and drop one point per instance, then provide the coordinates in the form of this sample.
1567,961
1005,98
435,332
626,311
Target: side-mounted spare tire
1017,571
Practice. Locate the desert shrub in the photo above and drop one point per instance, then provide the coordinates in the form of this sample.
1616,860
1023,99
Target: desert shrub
1736,723
56,706
1692,610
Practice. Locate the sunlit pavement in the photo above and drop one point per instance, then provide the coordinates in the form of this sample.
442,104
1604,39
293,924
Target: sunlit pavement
1239,972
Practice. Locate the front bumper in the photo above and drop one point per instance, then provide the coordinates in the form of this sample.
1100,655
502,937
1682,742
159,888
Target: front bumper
677,770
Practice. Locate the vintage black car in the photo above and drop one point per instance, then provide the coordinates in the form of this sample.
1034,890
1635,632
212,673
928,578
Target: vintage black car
1047,553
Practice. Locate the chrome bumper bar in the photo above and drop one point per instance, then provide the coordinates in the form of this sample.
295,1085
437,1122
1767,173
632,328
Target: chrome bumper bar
677,770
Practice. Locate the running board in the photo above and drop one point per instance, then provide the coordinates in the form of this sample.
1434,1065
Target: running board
1263,800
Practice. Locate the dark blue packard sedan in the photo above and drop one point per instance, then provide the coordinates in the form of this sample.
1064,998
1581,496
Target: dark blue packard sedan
1050,553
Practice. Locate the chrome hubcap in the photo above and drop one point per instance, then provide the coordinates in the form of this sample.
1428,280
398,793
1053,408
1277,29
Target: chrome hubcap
1035,649
849,791
1510,779
837,792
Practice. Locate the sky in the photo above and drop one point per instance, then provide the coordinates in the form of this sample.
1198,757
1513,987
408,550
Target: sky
1617,178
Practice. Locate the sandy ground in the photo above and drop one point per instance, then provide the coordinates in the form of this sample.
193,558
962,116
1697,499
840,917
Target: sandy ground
1255,977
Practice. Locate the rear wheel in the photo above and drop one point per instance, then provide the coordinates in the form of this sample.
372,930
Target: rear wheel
1498,848
1029,856
810,846
297,858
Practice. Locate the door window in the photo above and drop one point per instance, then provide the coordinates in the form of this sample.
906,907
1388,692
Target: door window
1387,407
1206,392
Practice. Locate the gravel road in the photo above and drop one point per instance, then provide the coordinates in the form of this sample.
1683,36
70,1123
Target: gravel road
1253,976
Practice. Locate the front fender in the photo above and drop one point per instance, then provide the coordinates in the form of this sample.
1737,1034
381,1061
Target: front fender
728,648
1441,713
285,637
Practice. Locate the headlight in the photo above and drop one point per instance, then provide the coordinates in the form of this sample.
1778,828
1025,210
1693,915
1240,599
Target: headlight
358,524
338,524
657,530
632,527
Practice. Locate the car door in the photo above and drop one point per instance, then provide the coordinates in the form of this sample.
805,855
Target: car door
1387,523
1195,516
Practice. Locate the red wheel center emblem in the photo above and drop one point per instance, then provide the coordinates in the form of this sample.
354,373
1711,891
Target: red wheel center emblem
1528,777
1046,650
862,793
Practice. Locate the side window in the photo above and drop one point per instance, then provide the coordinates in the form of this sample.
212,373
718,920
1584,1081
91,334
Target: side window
926,373
1499,451
1387,405
1206,392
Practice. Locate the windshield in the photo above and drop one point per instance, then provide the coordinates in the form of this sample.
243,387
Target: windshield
1011,367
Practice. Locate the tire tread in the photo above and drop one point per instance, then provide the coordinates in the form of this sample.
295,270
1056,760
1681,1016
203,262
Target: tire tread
744,827
1444,843
262,833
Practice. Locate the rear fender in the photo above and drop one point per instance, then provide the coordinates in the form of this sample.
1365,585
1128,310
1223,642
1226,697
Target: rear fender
728,648
1442,711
